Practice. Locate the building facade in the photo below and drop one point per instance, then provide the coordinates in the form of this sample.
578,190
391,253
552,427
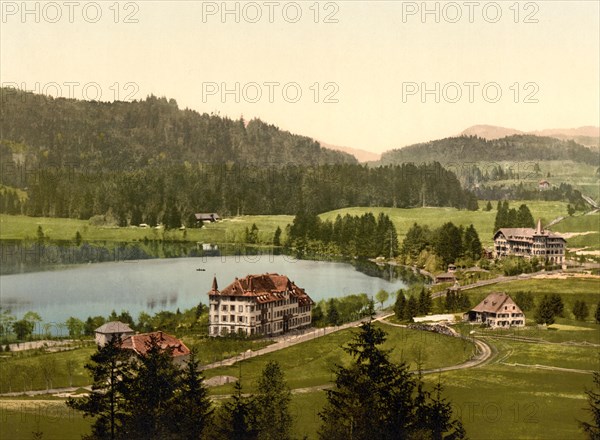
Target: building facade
497,310
114,329
529,243
268,304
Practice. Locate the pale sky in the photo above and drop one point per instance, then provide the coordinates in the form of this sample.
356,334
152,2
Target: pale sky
373,63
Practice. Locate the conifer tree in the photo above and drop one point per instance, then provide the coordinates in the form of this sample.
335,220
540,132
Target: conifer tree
107,400
274,420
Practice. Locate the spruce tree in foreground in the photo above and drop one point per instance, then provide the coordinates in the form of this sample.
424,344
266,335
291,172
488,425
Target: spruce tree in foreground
376,399
274,421
191,410
106,402
150,391
236,419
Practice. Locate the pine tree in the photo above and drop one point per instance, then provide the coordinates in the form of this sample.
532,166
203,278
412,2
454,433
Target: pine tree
501,216
109,368
524,218
557,304
472,244
580,310
236,419
274,421
488,206
412,308
544,313
150,392
448,245
425,302
374,398
400,305
277,237
191,409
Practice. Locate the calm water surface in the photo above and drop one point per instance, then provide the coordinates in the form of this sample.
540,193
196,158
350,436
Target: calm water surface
168,284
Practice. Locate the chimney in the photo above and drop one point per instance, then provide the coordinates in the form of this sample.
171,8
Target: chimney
538,230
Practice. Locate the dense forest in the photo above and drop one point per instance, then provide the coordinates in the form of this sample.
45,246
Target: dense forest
44,132
149,162
363,236
470,149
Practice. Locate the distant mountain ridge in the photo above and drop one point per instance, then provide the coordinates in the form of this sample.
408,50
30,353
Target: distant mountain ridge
361,155
586,135
468,149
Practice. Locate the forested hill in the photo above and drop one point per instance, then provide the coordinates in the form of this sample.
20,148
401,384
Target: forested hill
472,149
61,131
150,162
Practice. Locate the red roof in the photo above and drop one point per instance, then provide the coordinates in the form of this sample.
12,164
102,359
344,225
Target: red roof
264,288
141,343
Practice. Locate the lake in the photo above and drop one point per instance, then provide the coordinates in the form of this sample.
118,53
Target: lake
169,284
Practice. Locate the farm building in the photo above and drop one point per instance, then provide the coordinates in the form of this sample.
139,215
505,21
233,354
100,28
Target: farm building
497,310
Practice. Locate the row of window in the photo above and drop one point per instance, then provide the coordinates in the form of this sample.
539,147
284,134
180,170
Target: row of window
267,328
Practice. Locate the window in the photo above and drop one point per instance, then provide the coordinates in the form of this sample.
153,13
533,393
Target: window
231,318
224,318
232,308
240,309
224,308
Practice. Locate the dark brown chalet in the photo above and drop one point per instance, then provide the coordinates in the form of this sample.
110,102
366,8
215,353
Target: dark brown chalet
267,304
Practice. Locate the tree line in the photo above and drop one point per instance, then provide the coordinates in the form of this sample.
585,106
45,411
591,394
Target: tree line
447,243
172,193
507,217
364,236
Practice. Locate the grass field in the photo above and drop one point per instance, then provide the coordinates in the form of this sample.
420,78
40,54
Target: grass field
312,363
231,230
21,417
23,373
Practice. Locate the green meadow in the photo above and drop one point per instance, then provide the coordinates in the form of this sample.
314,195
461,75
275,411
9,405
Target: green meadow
312,363
232,230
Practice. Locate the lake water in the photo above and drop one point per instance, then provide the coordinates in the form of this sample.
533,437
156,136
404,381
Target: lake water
168,284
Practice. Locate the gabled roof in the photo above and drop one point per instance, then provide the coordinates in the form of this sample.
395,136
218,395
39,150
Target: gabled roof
114,327
494,302
140,343
264,288
525,233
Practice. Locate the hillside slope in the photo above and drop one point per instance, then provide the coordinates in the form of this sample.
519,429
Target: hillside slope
63,131
510,148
